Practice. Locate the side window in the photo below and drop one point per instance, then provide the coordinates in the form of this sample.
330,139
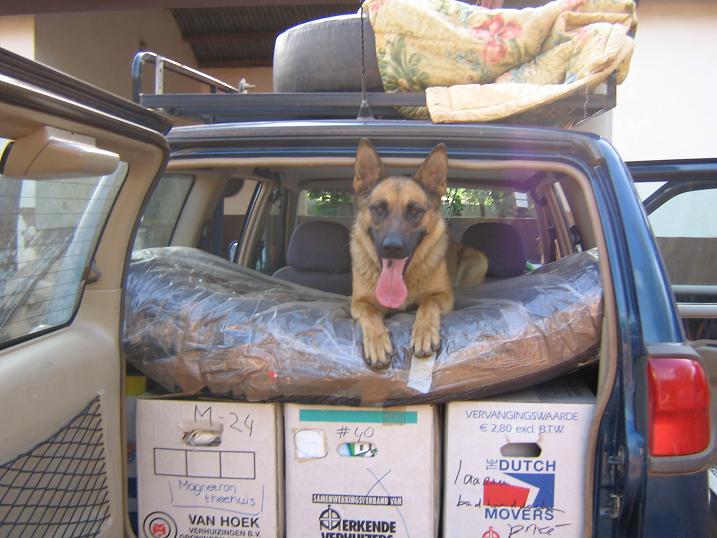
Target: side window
48,230
162,212
269,255
223,230
685,226
683,220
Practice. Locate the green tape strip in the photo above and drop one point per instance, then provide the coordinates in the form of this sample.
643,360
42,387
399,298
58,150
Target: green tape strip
362,415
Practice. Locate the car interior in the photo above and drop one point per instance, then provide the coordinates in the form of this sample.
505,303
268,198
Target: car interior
296,216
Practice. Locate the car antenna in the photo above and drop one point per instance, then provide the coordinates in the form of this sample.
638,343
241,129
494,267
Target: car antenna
365,109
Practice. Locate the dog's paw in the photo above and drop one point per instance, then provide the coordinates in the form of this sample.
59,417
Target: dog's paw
377,349
425,339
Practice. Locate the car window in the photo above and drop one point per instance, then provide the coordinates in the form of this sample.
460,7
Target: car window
645,189
685,226
269,255
49,230
684,223
323,203
461,207
226,223
160,216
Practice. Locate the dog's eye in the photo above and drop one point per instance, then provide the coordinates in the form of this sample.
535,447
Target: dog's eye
379,209
415,210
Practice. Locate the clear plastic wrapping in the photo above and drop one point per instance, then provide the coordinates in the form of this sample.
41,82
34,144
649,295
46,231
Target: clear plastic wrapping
195,322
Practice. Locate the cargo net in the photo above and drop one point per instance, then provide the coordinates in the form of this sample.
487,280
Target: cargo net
59,488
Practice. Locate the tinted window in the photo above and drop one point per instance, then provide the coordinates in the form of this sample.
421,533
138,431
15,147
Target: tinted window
49,230
160,216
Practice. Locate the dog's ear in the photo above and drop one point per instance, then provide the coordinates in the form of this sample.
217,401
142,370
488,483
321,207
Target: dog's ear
369,168
433,173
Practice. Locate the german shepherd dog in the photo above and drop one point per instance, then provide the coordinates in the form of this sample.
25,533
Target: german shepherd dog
401,253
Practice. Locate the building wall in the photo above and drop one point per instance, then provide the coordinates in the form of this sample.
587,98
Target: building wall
667,106
17,34
98,47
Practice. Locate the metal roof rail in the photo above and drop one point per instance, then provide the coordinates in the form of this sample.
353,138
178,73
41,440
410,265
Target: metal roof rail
161,63
227,104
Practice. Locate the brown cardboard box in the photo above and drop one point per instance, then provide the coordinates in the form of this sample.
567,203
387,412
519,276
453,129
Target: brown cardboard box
362,472
515,465
207,467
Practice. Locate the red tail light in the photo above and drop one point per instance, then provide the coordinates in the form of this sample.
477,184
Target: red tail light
679,400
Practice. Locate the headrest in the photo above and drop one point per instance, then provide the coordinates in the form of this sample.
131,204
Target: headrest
502,244
320,246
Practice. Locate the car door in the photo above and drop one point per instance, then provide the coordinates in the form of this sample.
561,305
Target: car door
76,166
680,198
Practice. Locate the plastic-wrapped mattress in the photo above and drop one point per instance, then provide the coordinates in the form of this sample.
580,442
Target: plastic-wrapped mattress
197,323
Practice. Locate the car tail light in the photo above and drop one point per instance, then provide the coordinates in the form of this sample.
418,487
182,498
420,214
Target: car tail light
679,401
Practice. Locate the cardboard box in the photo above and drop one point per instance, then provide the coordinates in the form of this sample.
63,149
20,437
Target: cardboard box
362,472
208,468
135,386
515,466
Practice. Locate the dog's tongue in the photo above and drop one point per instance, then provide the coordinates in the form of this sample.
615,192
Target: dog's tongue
391,290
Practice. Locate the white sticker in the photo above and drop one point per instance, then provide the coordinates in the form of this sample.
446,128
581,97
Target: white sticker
310,444
420,376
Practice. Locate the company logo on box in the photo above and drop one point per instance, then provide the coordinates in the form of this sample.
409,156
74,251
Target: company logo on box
504,494
332,525
329,519
521,495
159,525
534,489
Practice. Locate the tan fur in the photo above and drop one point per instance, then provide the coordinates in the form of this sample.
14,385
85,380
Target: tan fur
436,265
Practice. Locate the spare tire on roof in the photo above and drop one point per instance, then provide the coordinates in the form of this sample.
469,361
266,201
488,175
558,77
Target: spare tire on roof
325,56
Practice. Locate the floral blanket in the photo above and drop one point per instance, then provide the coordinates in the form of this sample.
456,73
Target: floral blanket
478,64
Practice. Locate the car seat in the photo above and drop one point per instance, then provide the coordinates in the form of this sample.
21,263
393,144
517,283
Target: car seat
503,245
319,257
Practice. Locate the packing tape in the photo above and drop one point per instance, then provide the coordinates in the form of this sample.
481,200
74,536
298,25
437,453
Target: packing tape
420,376
359,416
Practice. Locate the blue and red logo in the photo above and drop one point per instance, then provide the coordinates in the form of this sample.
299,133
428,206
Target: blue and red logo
536,490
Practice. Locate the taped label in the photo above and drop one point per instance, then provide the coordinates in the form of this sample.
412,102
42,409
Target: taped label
420,376
310,445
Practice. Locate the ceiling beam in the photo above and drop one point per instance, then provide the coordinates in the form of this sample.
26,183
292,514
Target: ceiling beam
30,7
249,62
230,37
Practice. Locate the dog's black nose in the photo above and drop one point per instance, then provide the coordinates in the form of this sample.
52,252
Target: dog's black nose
393,247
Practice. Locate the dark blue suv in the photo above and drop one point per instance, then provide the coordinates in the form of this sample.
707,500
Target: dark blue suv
87,178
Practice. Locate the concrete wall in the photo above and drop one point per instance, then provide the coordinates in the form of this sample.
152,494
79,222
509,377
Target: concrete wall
667,106
98,47
17,34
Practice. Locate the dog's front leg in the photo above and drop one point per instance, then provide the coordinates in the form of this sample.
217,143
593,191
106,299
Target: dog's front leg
425,337
377,347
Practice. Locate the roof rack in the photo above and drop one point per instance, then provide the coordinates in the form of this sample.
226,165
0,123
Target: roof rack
227,104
